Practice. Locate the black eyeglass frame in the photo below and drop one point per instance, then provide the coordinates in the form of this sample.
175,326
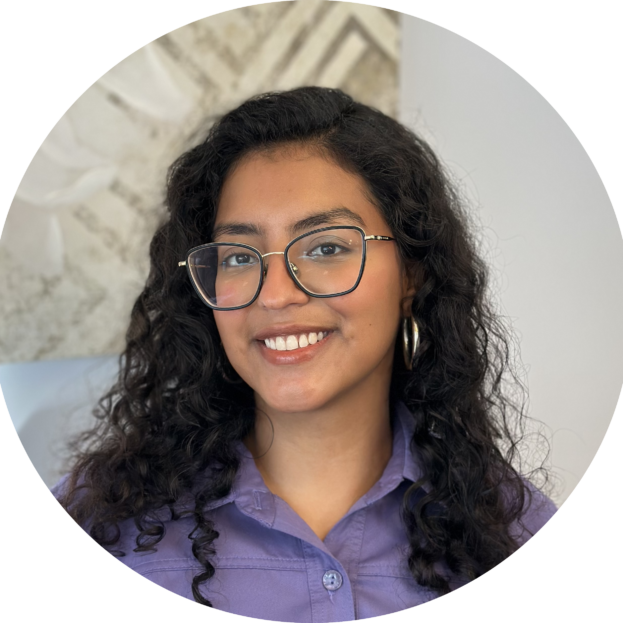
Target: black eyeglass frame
264,267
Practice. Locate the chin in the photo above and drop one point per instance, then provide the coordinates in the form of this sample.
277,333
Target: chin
294,398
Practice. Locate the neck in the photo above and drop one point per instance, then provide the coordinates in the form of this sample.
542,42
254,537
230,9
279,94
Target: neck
322,461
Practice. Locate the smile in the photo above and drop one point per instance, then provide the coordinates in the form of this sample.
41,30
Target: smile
287,350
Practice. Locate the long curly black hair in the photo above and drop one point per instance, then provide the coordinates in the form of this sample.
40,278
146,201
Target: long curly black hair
174,413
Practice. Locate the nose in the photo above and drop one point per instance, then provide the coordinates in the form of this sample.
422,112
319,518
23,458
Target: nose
278,288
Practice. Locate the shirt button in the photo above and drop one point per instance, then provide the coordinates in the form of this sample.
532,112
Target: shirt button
332,580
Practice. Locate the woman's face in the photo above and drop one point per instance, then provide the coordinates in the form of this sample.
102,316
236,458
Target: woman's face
271,193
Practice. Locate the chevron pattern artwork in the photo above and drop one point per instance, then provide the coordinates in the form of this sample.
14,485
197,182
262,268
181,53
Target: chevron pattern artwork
73,254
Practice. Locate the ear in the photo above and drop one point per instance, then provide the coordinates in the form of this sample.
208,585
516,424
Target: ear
410,285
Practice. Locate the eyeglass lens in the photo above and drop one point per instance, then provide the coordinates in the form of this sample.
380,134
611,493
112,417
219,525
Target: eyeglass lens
326,263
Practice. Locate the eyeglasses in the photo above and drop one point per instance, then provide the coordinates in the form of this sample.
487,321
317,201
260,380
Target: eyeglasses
323,263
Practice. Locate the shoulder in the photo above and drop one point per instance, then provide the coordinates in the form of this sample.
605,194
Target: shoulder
537,511
67,491
61,487
174,542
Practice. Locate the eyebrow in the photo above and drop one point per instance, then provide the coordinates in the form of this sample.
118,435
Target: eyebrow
318,219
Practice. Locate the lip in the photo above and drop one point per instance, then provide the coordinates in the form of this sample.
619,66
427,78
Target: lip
299,355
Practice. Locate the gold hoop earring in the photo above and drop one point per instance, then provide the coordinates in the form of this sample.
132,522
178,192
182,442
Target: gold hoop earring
410,340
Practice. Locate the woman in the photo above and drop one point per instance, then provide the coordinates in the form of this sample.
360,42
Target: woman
309,422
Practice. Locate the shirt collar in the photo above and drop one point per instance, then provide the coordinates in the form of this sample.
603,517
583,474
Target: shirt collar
403,464
412,468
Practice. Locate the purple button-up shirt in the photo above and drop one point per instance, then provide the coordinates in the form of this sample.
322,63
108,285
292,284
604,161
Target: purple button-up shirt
271,565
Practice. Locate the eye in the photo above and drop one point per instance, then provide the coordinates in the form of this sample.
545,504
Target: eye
325,250
238,260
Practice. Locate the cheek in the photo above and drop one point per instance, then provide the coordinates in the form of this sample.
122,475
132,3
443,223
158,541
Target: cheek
379,293
226,292
372,311
230,325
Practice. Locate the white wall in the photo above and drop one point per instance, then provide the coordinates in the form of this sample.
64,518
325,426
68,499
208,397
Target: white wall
550,231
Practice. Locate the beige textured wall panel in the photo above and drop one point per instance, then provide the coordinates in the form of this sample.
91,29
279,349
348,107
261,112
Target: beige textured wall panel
73,255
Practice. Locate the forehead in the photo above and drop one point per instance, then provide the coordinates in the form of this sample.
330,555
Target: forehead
275,190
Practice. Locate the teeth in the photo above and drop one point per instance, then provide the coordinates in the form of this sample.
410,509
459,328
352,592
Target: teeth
292,342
